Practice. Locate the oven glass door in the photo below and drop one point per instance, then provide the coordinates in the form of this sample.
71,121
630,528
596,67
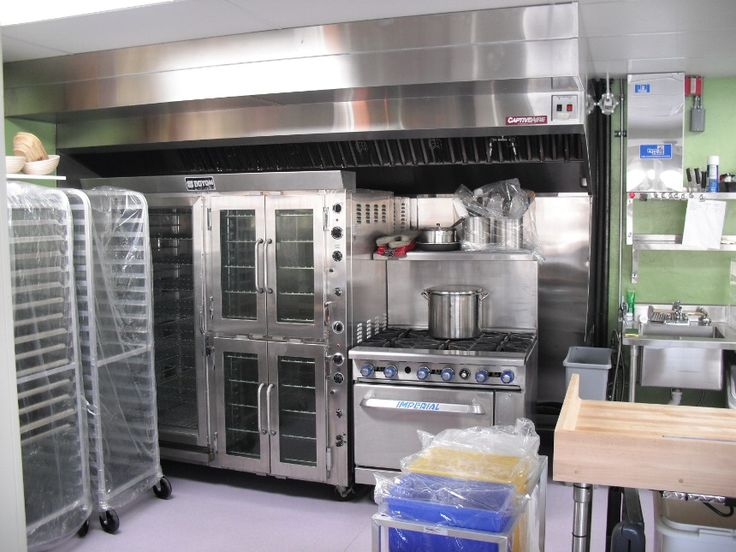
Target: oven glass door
387,418
295,265
237,303
181,378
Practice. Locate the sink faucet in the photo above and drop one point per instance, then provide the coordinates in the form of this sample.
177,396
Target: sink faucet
703,318
676,316
677,311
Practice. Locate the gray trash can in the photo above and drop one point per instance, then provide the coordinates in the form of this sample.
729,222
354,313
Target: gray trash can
593,365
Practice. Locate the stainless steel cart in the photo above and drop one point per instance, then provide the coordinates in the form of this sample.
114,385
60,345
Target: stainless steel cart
112,258
50,399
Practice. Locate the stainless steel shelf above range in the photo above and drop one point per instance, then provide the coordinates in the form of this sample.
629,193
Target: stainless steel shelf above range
511,255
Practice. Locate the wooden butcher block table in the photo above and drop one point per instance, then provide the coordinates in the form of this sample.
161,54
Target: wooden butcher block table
642,446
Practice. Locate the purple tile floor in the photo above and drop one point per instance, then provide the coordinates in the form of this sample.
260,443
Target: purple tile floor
223,511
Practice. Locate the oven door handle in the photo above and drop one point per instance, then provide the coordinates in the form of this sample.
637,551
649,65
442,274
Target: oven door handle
260,409
423,406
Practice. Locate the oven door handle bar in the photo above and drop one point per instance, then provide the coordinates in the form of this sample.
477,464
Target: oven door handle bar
423,406
259,409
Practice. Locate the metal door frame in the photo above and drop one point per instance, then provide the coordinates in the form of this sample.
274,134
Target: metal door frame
316,352
217,323
197,204
314,202
222,458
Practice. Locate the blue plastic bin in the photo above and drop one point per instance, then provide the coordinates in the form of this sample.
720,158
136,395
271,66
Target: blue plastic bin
450,502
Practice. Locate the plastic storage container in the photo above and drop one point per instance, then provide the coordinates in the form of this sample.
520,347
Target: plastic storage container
689,526
593,365
450,502
478,466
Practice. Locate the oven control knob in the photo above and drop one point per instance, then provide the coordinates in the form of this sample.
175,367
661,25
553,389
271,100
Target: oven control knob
390,371
464,374
336,232
366,370
338,378
507,376
422,373
481,376
447,373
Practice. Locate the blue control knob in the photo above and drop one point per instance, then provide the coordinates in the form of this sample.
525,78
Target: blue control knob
422,373
366,370
390,371
481,376
447,373
507,376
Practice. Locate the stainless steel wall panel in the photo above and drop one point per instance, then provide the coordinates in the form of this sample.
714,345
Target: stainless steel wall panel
563,234
512,288
655,132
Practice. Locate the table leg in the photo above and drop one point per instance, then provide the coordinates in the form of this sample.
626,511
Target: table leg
376,531
583,497
633,366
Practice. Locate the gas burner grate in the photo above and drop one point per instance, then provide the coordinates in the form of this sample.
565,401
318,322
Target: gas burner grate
419,343
517,343
487,342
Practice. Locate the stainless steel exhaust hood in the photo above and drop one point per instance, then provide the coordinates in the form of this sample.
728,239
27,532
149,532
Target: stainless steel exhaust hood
503,72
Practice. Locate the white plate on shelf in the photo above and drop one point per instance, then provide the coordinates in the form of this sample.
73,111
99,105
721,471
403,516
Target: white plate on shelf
14,163
44,166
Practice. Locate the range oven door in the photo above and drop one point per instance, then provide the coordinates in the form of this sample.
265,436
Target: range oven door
387,418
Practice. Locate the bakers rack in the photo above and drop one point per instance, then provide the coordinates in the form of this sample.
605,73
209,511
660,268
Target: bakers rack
112,257
50,394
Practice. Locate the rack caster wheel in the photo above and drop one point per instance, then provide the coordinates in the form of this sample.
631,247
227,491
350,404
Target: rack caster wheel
163,489
83,530
344,494
110,521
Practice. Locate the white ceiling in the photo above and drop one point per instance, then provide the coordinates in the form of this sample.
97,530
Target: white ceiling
624,36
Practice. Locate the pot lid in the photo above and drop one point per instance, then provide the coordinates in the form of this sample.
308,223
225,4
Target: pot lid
456,289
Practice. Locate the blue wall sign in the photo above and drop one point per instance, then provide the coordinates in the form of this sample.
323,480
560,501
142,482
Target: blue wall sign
655,151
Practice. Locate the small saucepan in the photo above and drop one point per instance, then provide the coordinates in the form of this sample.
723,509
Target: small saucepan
438,238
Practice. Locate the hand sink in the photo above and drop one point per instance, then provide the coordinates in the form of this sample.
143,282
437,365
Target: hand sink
679,331
684,356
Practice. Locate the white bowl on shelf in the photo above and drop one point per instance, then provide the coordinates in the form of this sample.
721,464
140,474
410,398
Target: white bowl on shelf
14,163
45,166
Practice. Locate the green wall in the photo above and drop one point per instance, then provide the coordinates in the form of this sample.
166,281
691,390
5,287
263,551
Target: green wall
690,276
694,277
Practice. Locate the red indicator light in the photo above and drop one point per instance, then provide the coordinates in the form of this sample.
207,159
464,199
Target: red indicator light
569,107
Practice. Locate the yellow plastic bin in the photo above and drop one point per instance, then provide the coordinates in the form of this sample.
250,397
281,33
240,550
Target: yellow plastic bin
478,466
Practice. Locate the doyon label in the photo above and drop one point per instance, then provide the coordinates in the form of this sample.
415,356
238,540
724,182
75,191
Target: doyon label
198,183
655,151
643,88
